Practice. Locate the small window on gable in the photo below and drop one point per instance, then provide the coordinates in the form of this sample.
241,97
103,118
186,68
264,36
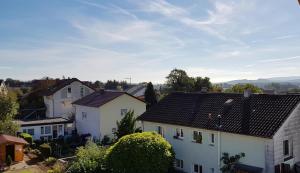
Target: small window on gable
286,148
69,92
84,115
197,137
124,112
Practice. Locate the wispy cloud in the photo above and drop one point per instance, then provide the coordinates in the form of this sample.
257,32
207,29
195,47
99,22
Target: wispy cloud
280,59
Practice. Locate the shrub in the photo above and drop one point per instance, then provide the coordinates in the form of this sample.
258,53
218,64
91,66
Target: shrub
57,168
145,152
50,161
27,137
46,150
105,140
90,159
8,160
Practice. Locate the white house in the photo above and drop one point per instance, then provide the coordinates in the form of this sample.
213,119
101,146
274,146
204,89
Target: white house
203,126
46,129
58,99
97,113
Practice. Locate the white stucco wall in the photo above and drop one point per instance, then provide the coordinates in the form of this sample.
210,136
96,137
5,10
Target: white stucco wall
58,106
111,112
90,124
290,130
206,154
37,130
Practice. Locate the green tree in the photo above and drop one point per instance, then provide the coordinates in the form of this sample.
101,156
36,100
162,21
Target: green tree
240,88
150,95
89,159
200,82
127,125
217,88
8,110
145,152
178,80
230,161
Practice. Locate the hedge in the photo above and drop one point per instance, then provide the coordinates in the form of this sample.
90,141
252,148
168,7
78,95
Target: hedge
27,137
145,152
46,150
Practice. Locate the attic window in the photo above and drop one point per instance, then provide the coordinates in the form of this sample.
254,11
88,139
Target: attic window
69,92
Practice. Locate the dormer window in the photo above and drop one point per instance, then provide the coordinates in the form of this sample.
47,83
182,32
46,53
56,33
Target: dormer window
69,92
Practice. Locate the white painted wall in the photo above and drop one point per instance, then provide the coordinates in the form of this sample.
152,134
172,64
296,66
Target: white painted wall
290,130
206,154
58,106
101,121
37,130
90,124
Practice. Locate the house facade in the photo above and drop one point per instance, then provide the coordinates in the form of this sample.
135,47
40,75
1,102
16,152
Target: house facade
58,99
97,113
201,127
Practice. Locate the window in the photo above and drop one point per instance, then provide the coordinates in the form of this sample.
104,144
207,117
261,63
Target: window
60,129
47,129
179,133
197,168
69,92
197,137
30,131
286,148
212,138
81,91
123,112
42,130
160,130
24,131
179,163
84,115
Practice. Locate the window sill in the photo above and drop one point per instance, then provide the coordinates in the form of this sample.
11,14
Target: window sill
197,142
178,138
212,145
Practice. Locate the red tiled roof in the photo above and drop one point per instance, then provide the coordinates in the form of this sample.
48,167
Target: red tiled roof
8,138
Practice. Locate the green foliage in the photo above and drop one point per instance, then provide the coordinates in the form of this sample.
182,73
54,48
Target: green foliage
150,95
145,152
8,161
8,110
105,140
178,80
113,84
230,161
57,168
127,125
217,88
50,161
27,137
90,159
46,150
240,88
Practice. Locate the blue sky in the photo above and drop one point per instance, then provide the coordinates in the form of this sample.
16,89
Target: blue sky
100,40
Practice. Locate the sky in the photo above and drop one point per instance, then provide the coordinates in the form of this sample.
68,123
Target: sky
145,40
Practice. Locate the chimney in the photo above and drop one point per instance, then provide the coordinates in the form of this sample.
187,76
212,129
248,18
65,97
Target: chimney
246,113
204,90
247,93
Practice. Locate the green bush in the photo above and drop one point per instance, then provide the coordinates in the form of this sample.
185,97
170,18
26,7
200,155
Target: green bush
145,152
46,150
105,140
27,137
90,159
50,161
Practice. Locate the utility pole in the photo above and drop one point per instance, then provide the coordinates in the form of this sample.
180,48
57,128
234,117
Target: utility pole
129,80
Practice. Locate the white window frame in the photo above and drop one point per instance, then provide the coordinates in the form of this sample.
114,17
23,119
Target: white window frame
198,133
199,166
179,164
60,129
290,147
83,115
179,133
69,94
161,131
123,111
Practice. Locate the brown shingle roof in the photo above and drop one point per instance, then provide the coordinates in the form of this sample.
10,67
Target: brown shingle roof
99,98
8,138
259,115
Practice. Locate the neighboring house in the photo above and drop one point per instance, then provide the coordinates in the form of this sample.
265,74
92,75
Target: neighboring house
46,129
203,126
58,99
97,113
3,88
138,90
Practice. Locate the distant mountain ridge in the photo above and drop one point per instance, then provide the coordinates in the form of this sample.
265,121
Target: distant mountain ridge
289,79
